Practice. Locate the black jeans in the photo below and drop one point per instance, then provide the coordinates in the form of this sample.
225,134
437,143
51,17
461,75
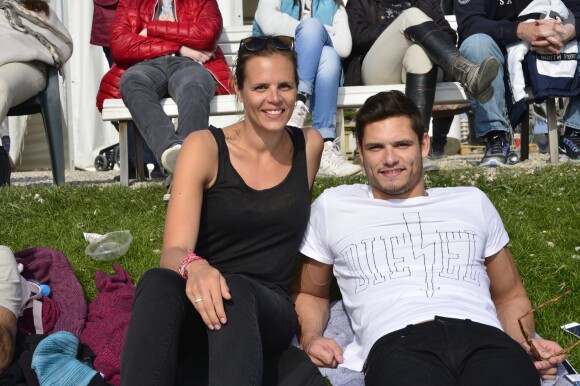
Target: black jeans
449,352
167,342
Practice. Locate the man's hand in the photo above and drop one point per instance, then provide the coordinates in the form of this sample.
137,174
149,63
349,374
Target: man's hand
200,56
545,35
546,348
564,33
323,352
206,288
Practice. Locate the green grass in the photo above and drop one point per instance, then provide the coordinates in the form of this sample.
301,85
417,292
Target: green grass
540,209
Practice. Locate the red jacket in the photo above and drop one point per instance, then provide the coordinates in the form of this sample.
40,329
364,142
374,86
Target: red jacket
198,26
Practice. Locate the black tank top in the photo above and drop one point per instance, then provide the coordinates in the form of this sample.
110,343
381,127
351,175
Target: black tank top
255,232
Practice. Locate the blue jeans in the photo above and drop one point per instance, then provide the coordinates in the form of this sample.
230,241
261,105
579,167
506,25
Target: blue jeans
572,114
190,85
167,342
488,116
319,70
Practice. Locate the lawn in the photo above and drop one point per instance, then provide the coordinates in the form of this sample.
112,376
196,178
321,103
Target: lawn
540,208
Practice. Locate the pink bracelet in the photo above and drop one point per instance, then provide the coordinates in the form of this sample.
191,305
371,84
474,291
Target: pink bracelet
191,256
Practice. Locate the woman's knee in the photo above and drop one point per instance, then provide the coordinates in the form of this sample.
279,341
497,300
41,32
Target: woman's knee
309,27
160,282
415,16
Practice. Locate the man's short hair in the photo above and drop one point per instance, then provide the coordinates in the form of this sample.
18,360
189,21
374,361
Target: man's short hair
388,104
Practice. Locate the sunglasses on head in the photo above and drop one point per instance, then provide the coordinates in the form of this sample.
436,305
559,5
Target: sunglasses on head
257,43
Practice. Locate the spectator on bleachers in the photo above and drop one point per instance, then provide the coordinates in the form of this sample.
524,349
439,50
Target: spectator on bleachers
32,37
103,16
487,27
241,199
164,48
395,43
320,28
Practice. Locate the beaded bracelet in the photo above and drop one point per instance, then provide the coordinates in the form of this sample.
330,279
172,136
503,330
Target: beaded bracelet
191,256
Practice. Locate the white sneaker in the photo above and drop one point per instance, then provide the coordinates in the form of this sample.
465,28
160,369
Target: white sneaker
169,158
334,164
429,165
299,115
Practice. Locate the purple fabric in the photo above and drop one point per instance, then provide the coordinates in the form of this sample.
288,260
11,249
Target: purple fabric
65,309
107,322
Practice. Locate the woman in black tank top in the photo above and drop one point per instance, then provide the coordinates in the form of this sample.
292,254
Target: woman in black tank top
241,199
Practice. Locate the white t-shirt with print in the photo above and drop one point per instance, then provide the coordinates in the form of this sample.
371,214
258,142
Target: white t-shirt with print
400,262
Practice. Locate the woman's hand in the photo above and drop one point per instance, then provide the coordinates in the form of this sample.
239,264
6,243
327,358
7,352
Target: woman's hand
206,288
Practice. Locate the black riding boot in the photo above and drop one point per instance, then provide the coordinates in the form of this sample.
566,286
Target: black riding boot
441,128
5,167
420,88
476,79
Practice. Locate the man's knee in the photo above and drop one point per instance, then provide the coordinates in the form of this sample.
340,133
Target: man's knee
480,46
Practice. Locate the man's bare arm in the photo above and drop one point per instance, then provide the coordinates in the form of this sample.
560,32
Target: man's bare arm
310,291
511,302
508,294
7,337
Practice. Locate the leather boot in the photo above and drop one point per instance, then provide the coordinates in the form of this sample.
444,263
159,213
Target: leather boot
5,167
476,79
420,88
440,130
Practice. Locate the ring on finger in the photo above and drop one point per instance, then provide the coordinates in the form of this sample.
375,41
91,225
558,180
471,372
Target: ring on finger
197,300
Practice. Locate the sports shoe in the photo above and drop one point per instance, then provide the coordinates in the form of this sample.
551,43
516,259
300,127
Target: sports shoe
334,164
569,144
169,158
299,115
497,148
476,79
429,165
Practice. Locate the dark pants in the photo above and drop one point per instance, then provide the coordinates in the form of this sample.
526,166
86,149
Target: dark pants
190,85
167,342
449,352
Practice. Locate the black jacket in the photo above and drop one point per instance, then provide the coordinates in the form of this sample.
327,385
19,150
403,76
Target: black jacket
478,16
367,21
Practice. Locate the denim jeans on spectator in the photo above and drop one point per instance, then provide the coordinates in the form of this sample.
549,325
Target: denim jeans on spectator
167,342
572,114
189,83
488,116
319,71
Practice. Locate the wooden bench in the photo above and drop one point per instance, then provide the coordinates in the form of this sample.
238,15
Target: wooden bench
348,98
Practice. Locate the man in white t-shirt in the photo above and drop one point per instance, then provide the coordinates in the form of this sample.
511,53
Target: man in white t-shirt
431,290
10,303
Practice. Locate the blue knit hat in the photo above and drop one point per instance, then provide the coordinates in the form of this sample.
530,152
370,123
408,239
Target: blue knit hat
54,361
